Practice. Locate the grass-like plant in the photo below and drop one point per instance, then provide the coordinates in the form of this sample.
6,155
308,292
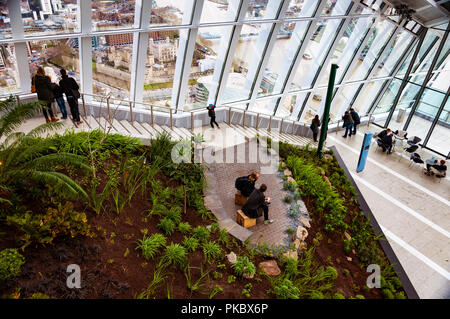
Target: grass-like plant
214,227
286,290
201,233
215,291
223,237
159,276
174,214
167,225
151,245
287,199
184,228
191,243
211,251
244,266
175,255
198,284
10,263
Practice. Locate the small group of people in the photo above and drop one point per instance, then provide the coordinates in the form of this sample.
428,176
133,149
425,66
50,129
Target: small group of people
351,121
47,92
439,166
257,203
385,139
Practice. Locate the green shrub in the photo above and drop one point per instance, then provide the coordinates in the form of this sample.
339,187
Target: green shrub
175,255
247,290
201,233
287,199
223,237
191,244
244,266
10,263
360,297
174,214
231,279
286,290
291,266
297,196
184,227
43,228
388,294
214,227
167,225
211,250
316,295
39,295
150,245
338,296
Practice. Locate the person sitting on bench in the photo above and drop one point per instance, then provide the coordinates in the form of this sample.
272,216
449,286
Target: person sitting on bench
246,184
257,204
441,168
383,133
386,143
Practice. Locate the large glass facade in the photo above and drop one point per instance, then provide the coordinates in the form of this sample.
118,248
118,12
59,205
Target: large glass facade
269,56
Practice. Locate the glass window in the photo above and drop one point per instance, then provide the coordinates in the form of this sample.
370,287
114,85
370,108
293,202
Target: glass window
5,27
219,11
258,9
370,53
49,17
172,12
441,134
9,78
315,53
347,46
291,106
160,69
385,104
367,96
335,8
111,64
342,100
266,106
425,113
316,102
201,80
301,8
289,39
246,60
107,15
393,54
53,55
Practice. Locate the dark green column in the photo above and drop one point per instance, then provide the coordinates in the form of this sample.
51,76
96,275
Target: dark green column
326,111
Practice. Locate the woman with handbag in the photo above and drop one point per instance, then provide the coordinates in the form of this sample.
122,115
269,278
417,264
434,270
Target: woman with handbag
70,87
42,85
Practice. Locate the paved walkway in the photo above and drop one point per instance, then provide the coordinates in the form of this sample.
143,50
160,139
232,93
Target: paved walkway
225,174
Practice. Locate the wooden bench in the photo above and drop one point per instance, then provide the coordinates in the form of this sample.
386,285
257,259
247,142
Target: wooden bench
244,220
239,199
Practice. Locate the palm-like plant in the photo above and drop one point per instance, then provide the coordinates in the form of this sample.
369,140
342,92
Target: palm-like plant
25,157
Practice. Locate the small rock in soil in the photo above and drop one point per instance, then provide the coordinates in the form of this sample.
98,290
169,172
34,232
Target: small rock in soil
270,267
248,276
349,258
338,260
291,254
291,180
287,172
232,257
302,233
328,157
305,222
347,236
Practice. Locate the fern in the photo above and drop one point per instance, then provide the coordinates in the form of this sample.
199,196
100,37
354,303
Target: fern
184,228
175,255
174,214
211,251
244,266
167,226
191,244
201,233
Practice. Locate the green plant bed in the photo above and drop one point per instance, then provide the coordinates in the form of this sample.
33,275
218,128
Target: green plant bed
339,229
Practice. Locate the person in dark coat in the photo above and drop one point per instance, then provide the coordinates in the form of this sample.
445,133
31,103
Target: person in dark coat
315,124
383,133
348,124
212,115
257,204
386,143
70,88
43,86
356,120
246,184
58,93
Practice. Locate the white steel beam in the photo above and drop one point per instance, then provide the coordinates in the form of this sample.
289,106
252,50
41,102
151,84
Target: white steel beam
140,45
85,46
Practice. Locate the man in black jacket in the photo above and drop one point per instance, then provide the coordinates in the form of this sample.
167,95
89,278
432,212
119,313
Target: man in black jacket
356,120
387,143
257,204
212,115
70,87
246,184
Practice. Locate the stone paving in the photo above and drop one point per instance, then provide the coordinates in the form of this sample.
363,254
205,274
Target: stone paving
221,178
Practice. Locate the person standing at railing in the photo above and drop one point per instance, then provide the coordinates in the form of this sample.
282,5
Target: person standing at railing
58,93
42,85
348,124
356,120
212,115
70,87
315,124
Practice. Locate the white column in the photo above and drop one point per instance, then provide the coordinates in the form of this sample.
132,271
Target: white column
85,46
140,46
228,43
20,48
185,53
